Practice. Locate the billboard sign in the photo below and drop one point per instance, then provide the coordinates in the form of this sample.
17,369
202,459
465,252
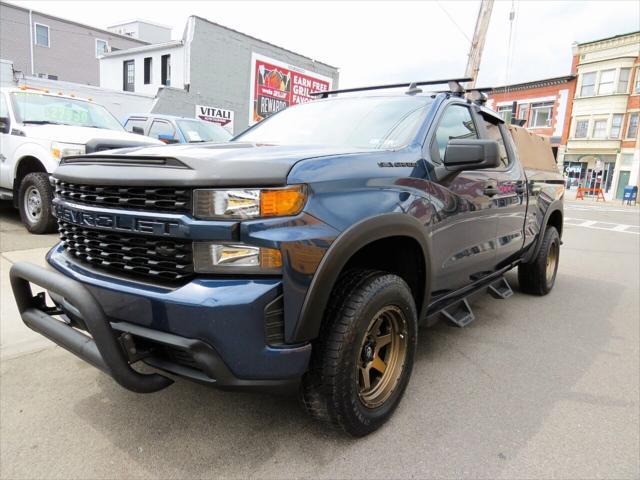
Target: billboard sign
275,85
221,116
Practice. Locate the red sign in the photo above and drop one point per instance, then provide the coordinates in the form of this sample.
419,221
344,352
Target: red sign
276,85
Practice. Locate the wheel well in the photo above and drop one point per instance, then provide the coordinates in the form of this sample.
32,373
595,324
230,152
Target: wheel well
555,220
26,166
399,255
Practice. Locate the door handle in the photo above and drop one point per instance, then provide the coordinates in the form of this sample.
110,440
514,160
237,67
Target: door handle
491,191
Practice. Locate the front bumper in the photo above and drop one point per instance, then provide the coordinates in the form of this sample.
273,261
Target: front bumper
209,330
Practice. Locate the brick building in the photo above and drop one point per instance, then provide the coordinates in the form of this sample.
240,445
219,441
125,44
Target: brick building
543,105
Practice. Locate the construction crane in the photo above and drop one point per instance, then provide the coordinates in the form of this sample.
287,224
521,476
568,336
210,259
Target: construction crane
477,44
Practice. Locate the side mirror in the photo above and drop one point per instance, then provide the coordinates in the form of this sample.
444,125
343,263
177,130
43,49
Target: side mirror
168,139
138,130
471,154
5,125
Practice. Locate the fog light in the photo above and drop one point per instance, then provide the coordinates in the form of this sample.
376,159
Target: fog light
209,257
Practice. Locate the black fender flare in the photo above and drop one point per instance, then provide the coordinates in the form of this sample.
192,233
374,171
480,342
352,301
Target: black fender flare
555,206
341,250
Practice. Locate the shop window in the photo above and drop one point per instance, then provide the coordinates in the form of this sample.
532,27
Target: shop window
42,35
605,87
147,70
128,75
165,74
582,127
623,80
541,114
632,128
600,128
588,84
102,47
616,125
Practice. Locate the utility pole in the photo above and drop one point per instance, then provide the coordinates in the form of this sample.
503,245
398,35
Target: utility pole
477,44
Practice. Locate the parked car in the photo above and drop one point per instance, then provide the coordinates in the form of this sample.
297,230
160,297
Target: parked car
172,129
304,253
38,129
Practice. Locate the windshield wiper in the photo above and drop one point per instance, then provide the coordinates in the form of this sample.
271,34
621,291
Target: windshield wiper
43,122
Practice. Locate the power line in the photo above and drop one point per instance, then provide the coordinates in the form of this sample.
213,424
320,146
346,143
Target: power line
453,21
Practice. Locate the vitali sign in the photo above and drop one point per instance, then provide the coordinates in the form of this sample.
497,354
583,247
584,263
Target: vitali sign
275,85
217,115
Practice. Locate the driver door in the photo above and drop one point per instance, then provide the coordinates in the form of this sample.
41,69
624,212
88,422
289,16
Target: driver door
8,145
463,236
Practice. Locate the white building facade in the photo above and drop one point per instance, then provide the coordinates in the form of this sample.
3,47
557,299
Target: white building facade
602,147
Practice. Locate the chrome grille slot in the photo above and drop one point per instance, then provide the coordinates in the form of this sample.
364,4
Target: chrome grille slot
157,199
155,258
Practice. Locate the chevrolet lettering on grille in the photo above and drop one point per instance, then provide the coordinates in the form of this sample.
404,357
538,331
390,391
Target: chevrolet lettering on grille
115,222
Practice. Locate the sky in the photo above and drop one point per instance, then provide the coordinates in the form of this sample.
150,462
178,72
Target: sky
376,42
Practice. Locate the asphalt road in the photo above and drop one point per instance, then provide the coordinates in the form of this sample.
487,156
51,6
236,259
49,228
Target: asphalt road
534,388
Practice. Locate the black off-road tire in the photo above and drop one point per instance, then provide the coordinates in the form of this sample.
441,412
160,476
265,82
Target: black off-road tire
330,391
532,276
44,222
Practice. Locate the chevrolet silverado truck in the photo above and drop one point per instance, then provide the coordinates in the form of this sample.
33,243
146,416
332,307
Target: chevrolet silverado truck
304,253
37,129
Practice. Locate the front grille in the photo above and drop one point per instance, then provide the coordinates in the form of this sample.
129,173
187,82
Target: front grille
153,258
157,199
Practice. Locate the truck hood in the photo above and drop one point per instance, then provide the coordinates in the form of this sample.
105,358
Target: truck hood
207,164
82,135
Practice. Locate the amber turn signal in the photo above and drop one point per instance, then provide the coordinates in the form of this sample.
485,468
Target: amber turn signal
282,202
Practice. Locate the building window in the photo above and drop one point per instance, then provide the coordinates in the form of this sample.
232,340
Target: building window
605,87
42,35
636,89
623,80
524,111
541,114
165,73
616,125
600,128
102,47
128,75
582,127
147,70
506,113
588,84
632,128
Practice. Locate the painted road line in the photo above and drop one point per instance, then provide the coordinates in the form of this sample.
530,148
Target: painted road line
595,225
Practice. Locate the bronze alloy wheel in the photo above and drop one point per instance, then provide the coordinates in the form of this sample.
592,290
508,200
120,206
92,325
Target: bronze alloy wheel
552,262
382,356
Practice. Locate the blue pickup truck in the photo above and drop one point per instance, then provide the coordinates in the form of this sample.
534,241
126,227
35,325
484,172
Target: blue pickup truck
303,254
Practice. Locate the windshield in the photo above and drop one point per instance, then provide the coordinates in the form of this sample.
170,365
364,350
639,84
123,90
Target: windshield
364,122
197,131
37,108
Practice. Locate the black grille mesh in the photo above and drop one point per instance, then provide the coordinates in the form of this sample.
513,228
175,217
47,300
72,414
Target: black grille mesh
157,199
151,257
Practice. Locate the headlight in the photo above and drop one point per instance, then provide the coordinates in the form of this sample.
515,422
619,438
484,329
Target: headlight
248,203
60,150
210,257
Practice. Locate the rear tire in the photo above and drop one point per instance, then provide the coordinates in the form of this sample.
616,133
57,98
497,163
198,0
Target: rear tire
539,276
362,361
34,200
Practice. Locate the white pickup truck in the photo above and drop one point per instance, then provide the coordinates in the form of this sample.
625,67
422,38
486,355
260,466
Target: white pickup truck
37,129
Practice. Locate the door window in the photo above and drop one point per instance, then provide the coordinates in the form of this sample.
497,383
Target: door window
129,76
456,123
4,115
159,128
135,122
494,133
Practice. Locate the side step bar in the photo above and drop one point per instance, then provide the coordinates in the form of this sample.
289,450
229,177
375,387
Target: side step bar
460,314
102,349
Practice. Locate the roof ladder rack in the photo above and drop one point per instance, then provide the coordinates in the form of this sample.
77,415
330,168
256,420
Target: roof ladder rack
454,86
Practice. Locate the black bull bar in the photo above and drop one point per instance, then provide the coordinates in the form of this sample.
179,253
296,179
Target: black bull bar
102,349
